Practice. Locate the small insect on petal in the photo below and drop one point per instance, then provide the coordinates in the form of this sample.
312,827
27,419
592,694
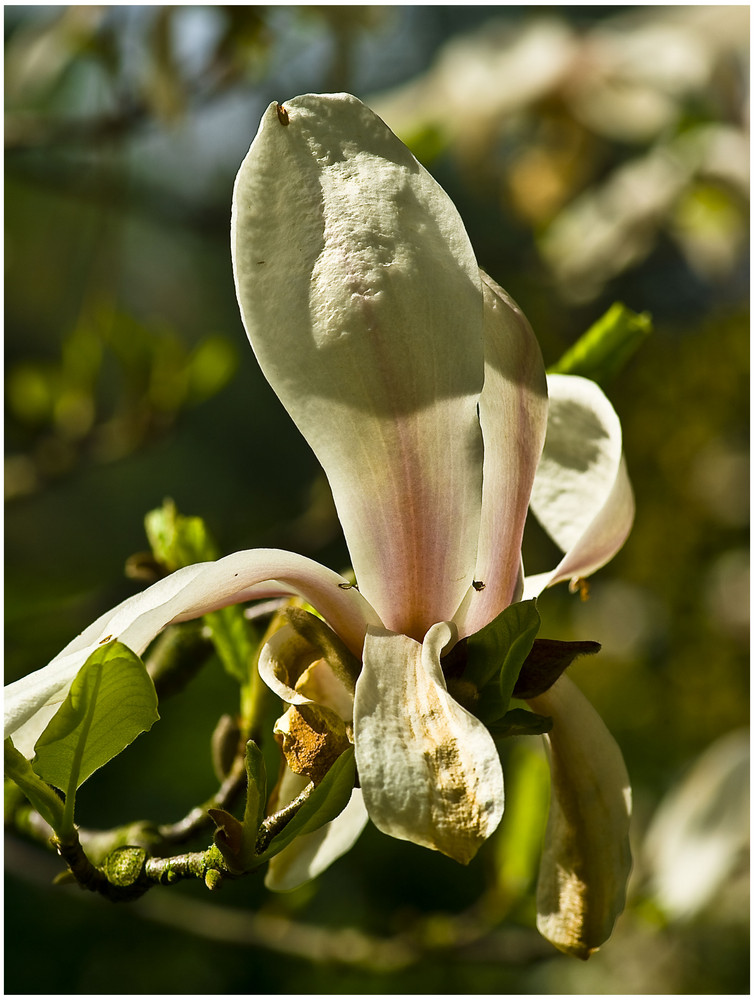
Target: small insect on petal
478,585
282,115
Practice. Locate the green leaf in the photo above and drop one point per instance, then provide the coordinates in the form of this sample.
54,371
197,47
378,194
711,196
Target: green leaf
495,656
548,659
606,346
327,800
112,700
47,803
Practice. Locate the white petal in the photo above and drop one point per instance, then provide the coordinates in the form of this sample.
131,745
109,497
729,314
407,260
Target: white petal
429,770
513,415
312,853
581,495
587,858
188,593
361,298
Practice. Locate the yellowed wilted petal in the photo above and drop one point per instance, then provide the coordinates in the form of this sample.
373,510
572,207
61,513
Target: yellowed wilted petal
429,770
587,859
311,738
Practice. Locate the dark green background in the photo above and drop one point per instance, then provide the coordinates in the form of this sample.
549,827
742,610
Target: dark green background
124,132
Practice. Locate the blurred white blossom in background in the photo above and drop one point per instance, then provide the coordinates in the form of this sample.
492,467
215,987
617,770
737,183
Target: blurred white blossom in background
532,104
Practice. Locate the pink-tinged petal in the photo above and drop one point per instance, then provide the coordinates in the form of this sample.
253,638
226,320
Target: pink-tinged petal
429,770
587,858
582,495
513,415
361,297
188,593
309,855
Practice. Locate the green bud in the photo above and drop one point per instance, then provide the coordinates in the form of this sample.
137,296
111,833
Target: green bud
124,865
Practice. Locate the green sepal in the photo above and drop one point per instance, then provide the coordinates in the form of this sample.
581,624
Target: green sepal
548,659
495,656
46,801
606,346
111,701
519,722
326,801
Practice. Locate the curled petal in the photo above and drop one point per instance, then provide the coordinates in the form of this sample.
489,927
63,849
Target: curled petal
513,415
581,495
291,668
188,593
587,859
429,770
361,297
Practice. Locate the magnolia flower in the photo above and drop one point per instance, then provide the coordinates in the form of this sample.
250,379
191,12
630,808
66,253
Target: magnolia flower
420,387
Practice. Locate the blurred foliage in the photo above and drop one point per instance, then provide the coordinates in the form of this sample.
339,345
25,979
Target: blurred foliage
596,154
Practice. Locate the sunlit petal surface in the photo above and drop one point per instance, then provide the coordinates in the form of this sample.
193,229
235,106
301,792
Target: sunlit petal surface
361,298
429,771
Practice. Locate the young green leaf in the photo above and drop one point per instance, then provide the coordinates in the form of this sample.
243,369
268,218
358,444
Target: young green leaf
177,540
256,794
495,656
606,346
236,840
111,701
